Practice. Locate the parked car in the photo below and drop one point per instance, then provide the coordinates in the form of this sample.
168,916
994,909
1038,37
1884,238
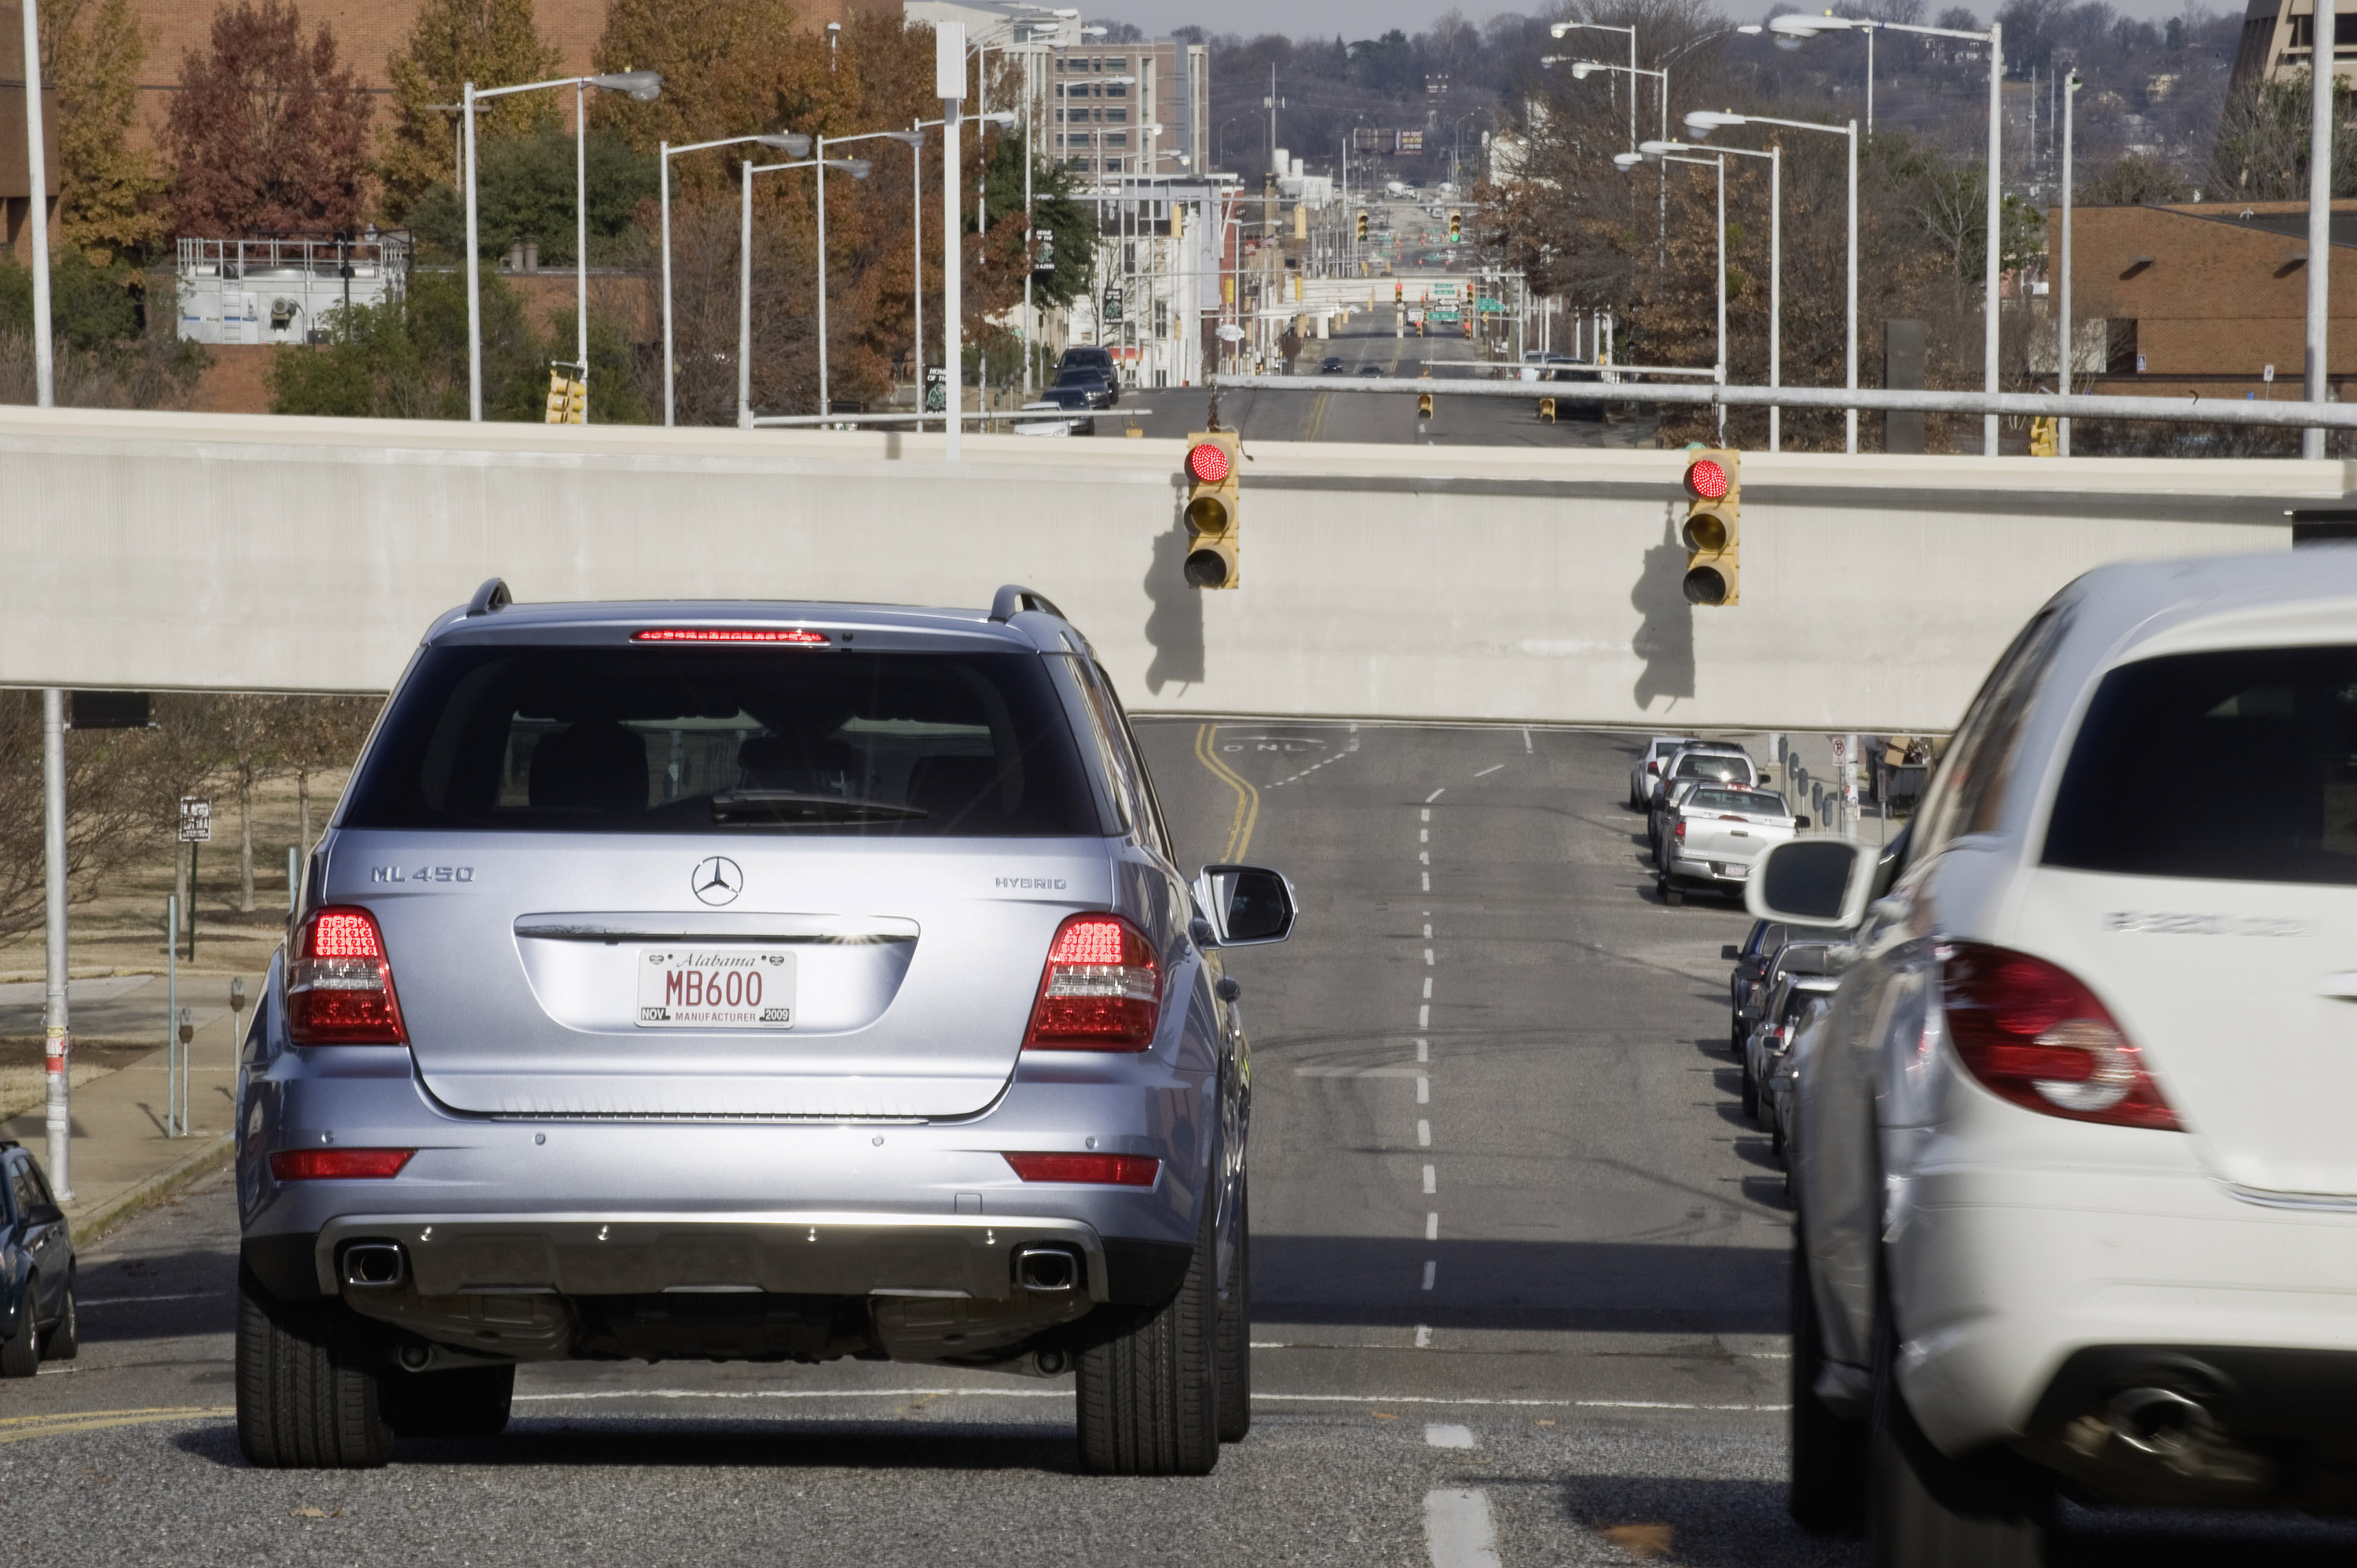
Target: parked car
1751,958
749,980
1647,769
39,1316
1666,801
1724,763
2076,1187
1715,831
1800,972
1787,1071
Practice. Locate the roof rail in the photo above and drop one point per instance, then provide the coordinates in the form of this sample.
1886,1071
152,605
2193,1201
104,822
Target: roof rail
492,595
1015,598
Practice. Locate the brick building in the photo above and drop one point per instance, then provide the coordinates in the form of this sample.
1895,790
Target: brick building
2199,298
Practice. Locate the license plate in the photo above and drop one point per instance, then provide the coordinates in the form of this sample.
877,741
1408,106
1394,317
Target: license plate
715,988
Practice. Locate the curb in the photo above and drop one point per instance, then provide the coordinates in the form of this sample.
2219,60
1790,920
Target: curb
89,1224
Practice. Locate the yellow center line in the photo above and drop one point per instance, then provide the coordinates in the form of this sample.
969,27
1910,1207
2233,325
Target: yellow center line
20,1428
1247,813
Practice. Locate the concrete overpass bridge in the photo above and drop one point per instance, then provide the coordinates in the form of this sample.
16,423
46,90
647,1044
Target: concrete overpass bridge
153,550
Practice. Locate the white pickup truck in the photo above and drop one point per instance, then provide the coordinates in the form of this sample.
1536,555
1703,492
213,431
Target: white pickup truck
1716,833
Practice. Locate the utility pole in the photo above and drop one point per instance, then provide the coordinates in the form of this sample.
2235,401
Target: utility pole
949,82
2319,216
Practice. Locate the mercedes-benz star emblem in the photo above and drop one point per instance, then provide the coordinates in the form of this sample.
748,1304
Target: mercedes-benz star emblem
718,880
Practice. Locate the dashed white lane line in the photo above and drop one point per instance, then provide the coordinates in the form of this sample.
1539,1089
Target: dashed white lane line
1446,1434
1430,1183
1424,1135
1424,1018
1436,795
1424,1337
1527,740
1456,1529
1432,1227
1487,771
1431,1268
1423,1090
1427,988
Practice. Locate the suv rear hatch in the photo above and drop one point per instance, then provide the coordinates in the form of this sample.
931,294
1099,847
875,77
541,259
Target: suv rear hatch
2201,877
666,878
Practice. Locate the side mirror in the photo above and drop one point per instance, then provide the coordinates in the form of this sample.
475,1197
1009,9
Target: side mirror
1812,881
1731,953
45,1214
1800,819
1247,904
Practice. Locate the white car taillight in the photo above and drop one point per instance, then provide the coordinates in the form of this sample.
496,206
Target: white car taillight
2031,1033
339,985
1101,991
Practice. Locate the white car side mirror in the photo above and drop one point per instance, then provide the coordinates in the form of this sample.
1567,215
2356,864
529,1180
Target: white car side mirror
1812,881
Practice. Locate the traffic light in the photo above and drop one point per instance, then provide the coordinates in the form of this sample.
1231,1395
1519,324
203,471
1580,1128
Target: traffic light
1546,409
1714,529
1362,222
1456,226
1212,503
2043,441
1399,291
568,400
1423,405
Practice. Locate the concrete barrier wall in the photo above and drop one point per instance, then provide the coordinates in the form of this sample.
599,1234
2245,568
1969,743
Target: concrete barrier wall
162,551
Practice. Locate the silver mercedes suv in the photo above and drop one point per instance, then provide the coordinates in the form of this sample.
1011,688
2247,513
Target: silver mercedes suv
749,982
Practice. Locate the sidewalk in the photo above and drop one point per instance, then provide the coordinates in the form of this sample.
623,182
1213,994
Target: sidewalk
120,1157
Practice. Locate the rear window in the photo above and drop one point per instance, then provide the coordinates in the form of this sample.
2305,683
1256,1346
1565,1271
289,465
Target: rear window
2280,722
1735,769
705,740
1753,801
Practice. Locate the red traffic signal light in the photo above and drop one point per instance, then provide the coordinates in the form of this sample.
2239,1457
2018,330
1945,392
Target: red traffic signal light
1208,463
1707,479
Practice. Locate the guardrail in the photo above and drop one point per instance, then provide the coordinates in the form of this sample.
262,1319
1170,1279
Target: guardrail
2183,411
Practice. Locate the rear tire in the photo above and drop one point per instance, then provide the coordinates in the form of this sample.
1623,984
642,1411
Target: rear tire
1235,1330
1148,1390
468,1401
63,1341
1828,1454
309,1393
1923,1508
20,1357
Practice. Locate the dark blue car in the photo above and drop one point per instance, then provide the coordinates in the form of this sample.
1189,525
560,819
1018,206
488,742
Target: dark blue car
37,1269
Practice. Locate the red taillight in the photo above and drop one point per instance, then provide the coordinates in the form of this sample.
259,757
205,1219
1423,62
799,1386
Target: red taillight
1707,479
1101,990
792,636
1680,832
2033,1035
339,985
1104,1170
337,1164
1208,463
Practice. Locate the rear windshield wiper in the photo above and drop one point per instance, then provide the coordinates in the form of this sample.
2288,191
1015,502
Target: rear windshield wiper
783,807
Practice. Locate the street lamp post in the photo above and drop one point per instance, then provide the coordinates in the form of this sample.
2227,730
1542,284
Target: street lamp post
858,168
1560,28
1791,31
1668,152
1702,122
1775,157
1581,70
915,137
823,162
2062,361
643,86
792,144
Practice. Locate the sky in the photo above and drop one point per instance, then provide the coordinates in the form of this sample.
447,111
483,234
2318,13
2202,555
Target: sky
1367,18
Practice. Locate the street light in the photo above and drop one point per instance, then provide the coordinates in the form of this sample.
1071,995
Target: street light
2070,84
643,86
823,162
793,144
858,168
916,140
1702,123
1791,32
1560,28
1580,71
1667,152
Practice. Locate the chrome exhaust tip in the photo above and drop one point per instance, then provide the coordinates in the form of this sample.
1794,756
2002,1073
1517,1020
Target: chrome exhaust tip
2163,1423
1047,1270
374,1265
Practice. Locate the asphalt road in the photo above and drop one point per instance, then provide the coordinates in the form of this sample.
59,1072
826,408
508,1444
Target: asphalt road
1367,346
1520,1267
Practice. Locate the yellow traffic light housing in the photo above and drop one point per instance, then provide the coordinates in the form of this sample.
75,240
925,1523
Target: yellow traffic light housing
1456,226
2044,442
1362,222
568,400
1423,405
1212,496
1714,527
1546,409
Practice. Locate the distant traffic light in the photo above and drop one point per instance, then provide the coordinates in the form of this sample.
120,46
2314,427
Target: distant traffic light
2043,440
1546,409
1362,222
1399,291
1211,515
1714,528
568,400
1423,405
1456,226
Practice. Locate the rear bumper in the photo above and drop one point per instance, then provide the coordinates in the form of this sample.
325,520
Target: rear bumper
1726,873
634,1253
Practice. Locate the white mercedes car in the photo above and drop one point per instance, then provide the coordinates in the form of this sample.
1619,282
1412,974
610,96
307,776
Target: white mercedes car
2076,1175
